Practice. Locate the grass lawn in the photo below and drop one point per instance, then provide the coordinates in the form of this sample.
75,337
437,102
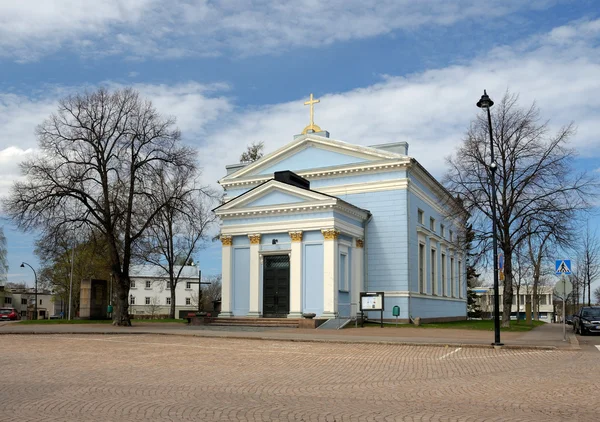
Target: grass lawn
485,325
96,321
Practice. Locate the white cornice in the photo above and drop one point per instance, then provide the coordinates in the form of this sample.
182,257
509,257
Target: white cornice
347,169
285,226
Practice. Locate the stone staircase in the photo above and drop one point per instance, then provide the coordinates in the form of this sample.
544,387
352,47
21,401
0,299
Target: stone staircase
255,322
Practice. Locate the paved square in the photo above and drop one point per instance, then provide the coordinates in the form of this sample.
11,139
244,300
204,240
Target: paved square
154,377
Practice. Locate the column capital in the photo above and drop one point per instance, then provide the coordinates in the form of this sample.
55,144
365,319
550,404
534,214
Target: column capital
360,243
296,236
226,240
330,234
254,238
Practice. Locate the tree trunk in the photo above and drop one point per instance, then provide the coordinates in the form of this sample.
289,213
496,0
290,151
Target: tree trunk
508,290
172,310
121,314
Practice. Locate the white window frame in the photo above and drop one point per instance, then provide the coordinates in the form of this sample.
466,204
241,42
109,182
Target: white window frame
421,268
147,300
444,276
188,285
148,284
132,300
132,284
188,300
168,300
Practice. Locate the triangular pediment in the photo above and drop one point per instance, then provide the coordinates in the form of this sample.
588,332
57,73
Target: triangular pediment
275,194
311,152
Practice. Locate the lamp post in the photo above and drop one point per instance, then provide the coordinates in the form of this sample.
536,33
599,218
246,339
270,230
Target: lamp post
486,103
36,291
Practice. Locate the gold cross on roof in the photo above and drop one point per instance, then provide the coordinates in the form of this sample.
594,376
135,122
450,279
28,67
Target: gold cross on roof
311,127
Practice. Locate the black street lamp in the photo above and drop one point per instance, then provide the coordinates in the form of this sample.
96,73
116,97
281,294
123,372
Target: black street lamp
486,103
36,291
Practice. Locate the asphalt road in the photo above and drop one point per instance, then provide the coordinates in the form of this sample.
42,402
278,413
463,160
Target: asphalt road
177,378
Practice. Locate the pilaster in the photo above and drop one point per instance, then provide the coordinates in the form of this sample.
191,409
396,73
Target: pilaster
254,309
296,275
357,273
330,272
227,241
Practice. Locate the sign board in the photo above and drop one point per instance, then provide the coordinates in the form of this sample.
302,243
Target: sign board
562,267
371,301
563,288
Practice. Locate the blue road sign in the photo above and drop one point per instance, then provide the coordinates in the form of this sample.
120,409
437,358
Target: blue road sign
562,266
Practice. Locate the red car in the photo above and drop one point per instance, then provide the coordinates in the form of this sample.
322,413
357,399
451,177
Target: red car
9,314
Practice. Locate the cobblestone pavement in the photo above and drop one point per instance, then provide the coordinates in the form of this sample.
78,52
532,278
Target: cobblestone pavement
153,377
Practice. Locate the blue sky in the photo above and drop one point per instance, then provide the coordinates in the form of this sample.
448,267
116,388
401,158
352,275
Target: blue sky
234,72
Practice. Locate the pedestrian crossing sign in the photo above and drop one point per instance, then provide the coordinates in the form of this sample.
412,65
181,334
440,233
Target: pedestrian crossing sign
563,267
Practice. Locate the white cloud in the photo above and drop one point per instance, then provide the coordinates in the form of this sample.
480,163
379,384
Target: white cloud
154,28
431,110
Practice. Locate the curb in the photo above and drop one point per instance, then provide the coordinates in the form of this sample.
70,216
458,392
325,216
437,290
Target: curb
299,340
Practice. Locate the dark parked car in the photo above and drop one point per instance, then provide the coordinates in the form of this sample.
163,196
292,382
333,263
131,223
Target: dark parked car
569,320
9,314
587,320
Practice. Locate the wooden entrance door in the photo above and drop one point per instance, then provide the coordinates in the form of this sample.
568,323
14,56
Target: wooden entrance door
276,286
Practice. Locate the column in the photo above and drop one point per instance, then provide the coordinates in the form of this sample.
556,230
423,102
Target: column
226,278
357,273
330,272
255,310
296,275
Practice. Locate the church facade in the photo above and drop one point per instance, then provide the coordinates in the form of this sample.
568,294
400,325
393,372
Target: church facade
310,226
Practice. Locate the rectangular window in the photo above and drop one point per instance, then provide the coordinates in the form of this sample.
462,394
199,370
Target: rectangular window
451,236
188,301
343,272
421,216
8,300
40,301
432,224
23,301
421,268
433,279
442,230
444,292
168,301
188,285
514,302
452,292
132,285
168,285
147,300
542,299
148,284
132,300
460,280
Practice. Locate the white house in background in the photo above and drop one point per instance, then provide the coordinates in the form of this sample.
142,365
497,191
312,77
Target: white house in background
485,300
23,300
149,293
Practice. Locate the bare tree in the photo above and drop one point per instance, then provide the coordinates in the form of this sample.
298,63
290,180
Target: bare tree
588,262
210,293
101,155
3,260
535,180
597,294
253,152
179,228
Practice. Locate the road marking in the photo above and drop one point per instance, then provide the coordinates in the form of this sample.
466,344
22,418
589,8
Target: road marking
598,347
451,353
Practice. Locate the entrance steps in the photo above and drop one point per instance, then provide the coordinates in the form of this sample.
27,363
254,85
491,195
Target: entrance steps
256,322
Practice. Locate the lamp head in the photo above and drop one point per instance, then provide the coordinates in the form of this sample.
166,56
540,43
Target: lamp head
485,101
22,265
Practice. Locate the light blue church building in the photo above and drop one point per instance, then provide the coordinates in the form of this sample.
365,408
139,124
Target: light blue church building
308,227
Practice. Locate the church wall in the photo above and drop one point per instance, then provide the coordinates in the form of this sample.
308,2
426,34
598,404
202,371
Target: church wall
386,238
312,274
437,308
241,280
389,303
358,178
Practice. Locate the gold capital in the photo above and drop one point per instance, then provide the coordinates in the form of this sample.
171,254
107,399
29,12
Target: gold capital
312,127
296,236
360,243
330,234
254,239
226,240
